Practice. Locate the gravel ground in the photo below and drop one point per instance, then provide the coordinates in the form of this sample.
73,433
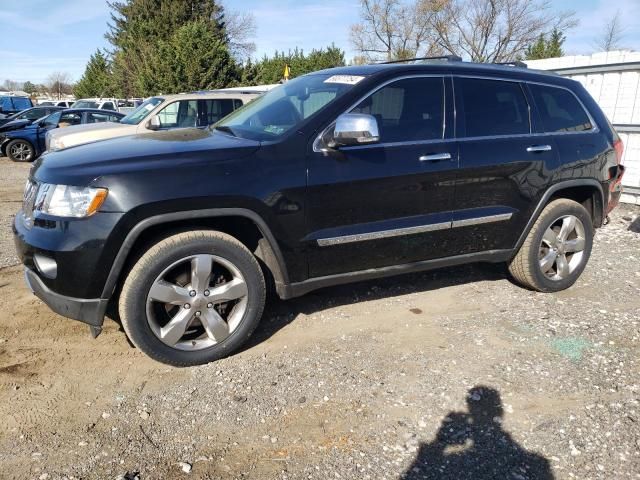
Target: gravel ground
450,374
12,179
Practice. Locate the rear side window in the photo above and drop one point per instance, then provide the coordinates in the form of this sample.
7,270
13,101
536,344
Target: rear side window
493,107
215,109
559,110
108,106
408,110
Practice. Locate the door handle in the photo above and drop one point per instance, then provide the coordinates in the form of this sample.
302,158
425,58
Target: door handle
539,148
435,157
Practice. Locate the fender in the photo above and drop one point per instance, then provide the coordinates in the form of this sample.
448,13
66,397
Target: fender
280,276
582,182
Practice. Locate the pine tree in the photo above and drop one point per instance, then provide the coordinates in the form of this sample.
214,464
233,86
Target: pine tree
146,37
543,48
96,80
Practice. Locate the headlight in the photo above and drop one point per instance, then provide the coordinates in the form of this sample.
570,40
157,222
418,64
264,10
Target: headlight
54,144
68,201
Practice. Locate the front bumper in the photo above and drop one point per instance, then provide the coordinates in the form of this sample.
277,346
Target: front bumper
89,311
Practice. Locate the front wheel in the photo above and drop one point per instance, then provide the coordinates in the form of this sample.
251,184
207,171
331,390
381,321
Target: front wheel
557,248
192,298
20,151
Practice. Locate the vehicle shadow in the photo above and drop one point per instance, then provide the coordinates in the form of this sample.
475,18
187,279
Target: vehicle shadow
635,226
278,313
474,445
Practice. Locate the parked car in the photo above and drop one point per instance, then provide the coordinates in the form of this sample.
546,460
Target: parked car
12,104
57,103
156,113
26,116
338,176
97,103
27,143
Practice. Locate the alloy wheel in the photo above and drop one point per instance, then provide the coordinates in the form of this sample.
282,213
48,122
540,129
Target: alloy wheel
562,247
20,151
197,302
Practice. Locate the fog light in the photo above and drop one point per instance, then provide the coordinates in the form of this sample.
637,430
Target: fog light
46,266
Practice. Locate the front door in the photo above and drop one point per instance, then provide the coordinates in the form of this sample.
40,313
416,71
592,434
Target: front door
389,203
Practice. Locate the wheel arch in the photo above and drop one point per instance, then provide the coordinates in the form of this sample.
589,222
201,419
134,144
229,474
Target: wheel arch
260,241
587,192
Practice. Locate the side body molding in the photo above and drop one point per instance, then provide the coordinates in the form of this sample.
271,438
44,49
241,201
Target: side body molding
280,275
582,182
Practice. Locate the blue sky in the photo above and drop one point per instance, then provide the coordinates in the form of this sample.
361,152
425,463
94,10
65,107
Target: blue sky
42,36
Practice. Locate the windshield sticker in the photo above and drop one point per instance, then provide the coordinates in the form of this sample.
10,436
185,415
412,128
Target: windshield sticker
149,106
346,79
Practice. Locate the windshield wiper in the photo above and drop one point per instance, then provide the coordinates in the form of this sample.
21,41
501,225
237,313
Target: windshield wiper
224,128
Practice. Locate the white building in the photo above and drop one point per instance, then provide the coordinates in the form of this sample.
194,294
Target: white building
613,80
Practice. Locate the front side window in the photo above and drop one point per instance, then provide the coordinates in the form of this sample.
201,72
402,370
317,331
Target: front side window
52,120
68,119
493,107
95,117
408,110
181,114
108,106
559,110
285,107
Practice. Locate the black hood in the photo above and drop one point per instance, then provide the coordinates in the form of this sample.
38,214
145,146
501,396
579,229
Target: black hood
167,150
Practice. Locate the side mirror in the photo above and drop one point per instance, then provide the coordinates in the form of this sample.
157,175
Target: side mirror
154,123
356,129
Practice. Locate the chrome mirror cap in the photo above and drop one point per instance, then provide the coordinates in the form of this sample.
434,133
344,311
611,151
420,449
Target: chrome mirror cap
356,129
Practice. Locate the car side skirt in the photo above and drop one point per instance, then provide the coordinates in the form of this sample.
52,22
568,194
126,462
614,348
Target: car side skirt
300,288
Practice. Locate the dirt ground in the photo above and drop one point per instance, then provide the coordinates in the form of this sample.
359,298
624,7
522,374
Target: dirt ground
456,373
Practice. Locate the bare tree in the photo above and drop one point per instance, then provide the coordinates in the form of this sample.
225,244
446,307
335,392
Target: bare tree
11,85
396,29
496,30
59,83
241,29
612,36
480,30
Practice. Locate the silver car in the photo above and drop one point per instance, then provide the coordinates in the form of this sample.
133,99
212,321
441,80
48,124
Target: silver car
163,112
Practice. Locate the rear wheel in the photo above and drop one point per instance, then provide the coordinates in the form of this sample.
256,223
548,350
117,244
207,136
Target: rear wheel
557,248
20,151
192,298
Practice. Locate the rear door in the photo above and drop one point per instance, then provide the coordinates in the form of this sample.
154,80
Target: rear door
503,165
389,203
213,110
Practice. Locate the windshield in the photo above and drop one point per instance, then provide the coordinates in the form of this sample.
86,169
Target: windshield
142,111
283,108
86,104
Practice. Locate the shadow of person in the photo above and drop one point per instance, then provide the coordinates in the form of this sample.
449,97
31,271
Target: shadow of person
474,445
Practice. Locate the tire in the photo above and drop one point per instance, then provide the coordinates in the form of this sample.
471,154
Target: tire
169,287
538,265
20,151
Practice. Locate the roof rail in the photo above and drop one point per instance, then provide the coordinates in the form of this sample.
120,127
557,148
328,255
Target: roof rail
448,58
515,63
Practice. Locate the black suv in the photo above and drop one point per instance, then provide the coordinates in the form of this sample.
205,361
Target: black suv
337,176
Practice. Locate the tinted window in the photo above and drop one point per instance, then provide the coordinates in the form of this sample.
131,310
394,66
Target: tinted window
21,103
34,114
560,110
5,103
411,109
215,110
493,107
108,106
